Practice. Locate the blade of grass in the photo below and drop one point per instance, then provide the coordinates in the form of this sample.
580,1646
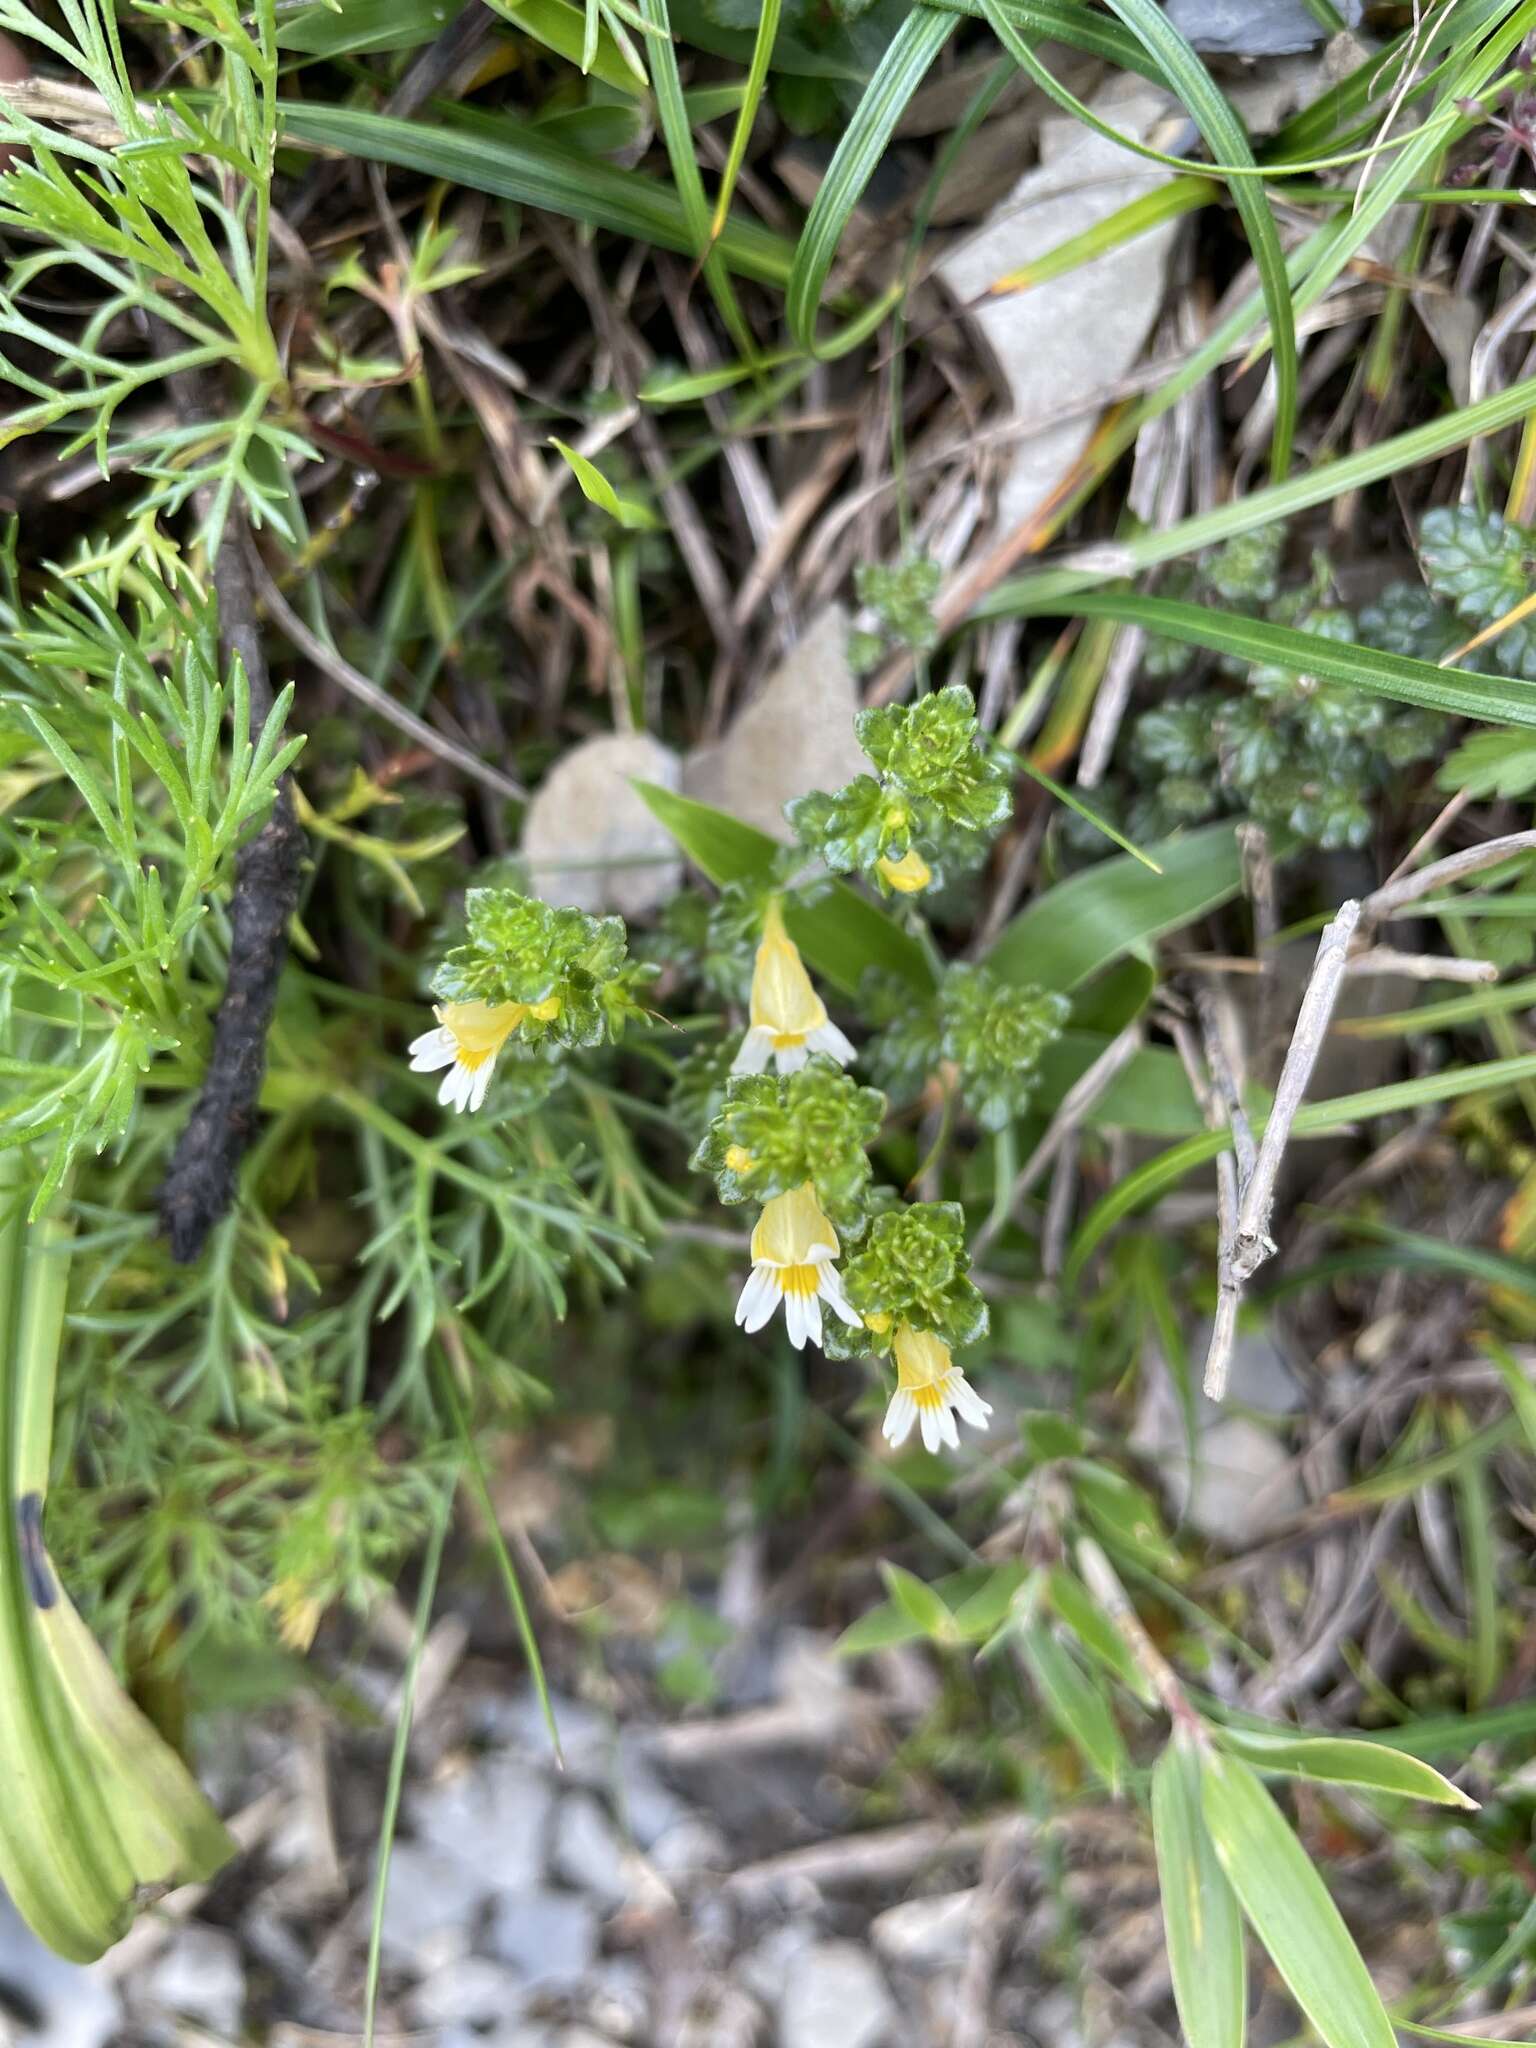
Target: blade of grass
1287,1903
511,1584
1211,113
1474,1524
1313,1119
1043,590
677,133
510,159
431,1563
1508,700
897,76
1202,1923
757,79
1168,202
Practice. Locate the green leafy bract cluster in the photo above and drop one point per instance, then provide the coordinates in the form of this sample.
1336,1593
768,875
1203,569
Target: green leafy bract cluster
776,1133
913,1267
995,1034
942,789
901,594
714,940
519,950
991,1031
1483,566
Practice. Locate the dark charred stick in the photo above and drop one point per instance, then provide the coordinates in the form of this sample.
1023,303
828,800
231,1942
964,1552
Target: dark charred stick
200,1186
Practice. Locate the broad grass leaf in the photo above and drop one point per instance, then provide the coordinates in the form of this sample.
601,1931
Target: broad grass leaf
1338,1760
1288,1906
1201,1921
1075,1702
1116,907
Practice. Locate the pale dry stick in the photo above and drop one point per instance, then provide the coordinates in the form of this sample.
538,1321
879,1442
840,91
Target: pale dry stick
1215,1090
794,515
875,1856
1098,1575
1393,897
341,671
991,1909
1057,1223
1253,1242
1420,966
1282,1683
1433,832
1258,871
1075,1105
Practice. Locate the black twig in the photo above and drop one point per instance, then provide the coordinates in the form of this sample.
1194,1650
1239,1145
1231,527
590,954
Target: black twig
200,1186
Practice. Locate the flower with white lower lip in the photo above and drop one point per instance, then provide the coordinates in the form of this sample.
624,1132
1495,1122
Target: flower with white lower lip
788,1020
467,1039
930,1390
793,1249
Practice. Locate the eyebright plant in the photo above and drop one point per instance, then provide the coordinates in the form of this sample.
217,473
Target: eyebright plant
940,794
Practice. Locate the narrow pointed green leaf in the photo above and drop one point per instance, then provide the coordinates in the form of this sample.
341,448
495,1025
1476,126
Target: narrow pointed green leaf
1338,1760
1287,1904
1117,906
1075,1702
1201,1921
863,143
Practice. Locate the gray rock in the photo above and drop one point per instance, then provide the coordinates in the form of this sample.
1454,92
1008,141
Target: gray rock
1255,28
721,2016
1037,337
490,1820
619,1998
588,837
835,1998
1244,1485
795,735
472,1992
75,2008
431,1907
199,1976
646,1806
548,1938
926,1934
588,1854
767,1969
689,1849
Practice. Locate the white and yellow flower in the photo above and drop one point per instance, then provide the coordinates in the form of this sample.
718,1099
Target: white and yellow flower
788,1020
930,1390
793,1249
467,1039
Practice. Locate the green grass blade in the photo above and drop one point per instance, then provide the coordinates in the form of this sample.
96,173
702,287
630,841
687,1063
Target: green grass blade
1522,1395
757,79
1508,700
1287,1904
510,159
1338,1760
1201,1921
1228,141
1154,1178
1025,595
431,1564
561,27
897,76
677,133
511,1584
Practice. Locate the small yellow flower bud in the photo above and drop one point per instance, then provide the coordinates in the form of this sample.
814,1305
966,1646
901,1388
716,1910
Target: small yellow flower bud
879,1322
909,874
738,1158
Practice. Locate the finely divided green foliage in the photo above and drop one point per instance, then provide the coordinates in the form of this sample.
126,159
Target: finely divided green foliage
171,223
